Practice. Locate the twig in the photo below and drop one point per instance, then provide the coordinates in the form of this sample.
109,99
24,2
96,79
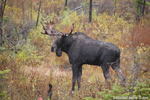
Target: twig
77,8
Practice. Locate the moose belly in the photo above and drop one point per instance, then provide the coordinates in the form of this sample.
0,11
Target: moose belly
91,57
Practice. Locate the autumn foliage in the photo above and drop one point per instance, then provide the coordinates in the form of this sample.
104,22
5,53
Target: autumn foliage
27,64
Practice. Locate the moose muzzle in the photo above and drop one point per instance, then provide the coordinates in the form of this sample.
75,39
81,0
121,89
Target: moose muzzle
53,49
57,50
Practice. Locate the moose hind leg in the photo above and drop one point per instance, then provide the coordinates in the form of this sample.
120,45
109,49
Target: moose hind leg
79,74
105,68
116,67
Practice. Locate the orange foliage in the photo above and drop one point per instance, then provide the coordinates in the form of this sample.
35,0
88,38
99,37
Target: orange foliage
138,35
141,35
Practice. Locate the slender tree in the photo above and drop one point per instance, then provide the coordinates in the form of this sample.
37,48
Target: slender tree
135,63
143,7
2,9
90,11
31,9
66,4
115,5
38,13
140,7
23,11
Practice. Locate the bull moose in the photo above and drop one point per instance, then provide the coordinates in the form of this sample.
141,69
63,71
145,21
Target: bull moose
82,49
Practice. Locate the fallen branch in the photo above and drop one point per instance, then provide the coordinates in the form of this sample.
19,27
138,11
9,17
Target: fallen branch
9,40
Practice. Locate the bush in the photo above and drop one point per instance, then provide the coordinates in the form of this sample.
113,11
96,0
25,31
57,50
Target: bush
142,90
3,76
116,91
27,54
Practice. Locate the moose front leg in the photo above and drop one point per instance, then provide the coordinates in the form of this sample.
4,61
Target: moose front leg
74,76
79,74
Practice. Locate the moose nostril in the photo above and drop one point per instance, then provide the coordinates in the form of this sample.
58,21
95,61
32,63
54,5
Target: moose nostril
52,32
53,49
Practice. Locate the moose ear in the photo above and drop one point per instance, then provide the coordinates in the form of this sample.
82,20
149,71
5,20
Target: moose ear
59,52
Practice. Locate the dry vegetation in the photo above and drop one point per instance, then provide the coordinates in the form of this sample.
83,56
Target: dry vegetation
32,66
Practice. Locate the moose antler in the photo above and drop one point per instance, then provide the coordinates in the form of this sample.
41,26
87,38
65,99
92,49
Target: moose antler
49,29
72,29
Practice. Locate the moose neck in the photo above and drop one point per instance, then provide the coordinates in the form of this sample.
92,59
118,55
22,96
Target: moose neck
67,41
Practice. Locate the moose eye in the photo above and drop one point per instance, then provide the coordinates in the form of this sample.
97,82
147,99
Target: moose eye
56,37
52,32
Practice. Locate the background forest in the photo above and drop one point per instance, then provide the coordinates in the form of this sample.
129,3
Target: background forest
27,65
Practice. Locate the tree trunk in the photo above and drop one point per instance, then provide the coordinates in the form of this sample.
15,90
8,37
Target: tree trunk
1,18
1,32
2,8
90,11
66,4
140,7
115,6
38,13
135,64
31,9
143,7
23,15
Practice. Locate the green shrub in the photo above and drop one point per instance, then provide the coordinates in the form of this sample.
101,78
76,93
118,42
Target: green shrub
142,90
27,54
116,91
3,76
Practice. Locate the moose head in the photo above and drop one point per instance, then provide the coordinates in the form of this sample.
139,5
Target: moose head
58,36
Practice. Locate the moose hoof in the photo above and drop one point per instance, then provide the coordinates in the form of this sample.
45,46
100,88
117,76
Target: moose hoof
72,92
